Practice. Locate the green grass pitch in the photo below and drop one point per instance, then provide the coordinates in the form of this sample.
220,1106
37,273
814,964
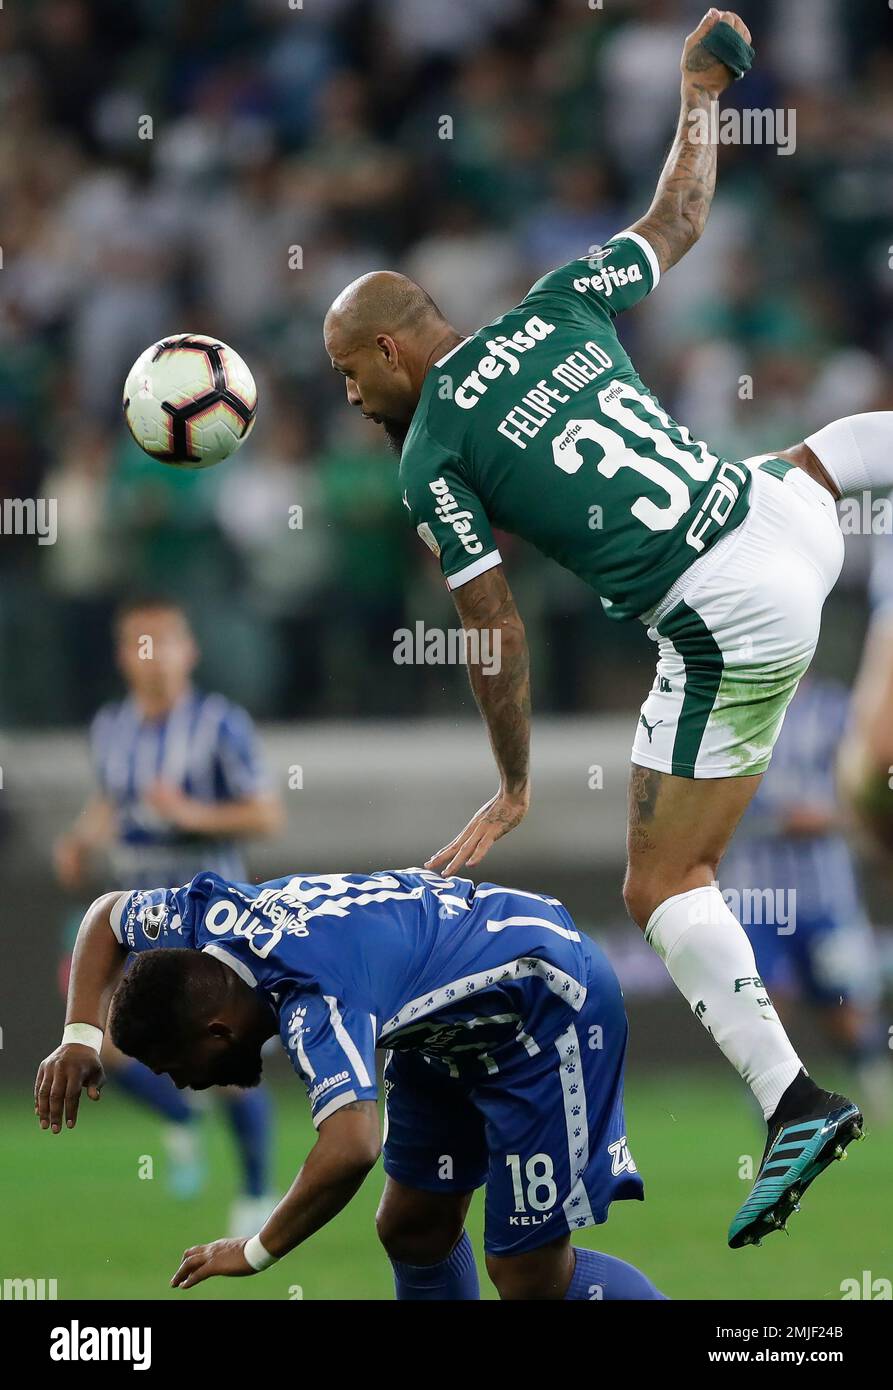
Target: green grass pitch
77,1211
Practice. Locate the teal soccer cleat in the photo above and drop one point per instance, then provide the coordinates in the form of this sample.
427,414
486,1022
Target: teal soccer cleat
799,1149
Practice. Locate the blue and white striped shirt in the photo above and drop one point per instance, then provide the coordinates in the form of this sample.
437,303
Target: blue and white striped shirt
204,746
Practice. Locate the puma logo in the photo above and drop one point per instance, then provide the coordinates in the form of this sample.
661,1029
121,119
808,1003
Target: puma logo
649,728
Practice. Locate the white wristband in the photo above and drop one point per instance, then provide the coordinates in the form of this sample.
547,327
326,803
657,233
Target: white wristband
83,1033
257,1256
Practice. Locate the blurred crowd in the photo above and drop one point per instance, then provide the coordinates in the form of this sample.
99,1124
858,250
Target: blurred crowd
227,166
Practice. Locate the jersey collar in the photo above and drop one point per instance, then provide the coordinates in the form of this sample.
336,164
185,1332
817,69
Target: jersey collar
440,361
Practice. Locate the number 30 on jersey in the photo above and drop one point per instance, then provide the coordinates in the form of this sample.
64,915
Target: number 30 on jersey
642,419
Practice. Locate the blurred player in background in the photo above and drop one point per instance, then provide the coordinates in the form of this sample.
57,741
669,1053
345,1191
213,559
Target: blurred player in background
790,861
179,785
866,754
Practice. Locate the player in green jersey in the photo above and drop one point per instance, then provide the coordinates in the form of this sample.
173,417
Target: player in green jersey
538,424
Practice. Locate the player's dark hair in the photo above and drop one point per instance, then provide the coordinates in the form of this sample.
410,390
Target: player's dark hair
162,1001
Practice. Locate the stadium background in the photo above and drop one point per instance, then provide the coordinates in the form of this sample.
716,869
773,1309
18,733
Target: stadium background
290,150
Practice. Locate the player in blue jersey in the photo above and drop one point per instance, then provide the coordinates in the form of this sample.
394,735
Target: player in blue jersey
505,1032
179,785
792,877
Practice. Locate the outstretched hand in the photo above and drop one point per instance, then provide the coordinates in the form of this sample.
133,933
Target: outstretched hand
61,1078
200,1262
495,818
699,64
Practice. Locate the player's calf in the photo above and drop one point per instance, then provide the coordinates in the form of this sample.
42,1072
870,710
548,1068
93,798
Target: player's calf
563,1271
424,1236
453,1279
539,1274
678,829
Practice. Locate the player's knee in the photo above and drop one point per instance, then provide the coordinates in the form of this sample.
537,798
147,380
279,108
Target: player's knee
639,896
644,892
415,1242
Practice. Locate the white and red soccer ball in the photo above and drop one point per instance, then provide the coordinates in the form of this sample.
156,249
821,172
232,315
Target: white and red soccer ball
189,400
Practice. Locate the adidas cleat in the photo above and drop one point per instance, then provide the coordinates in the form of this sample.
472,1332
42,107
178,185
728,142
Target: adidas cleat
797,1152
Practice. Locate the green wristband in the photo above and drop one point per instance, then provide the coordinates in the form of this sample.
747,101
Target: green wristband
726,44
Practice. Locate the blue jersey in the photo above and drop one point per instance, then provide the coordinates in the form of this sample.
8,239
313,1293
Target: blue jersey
472,976
206,747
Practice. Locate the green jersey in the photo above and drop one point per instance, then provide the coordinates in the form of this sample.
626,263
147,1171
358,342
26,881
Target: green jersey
538,424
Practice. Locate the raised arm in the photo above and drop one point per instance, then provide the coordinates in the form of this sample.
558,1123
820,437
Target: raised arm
681,205
498,668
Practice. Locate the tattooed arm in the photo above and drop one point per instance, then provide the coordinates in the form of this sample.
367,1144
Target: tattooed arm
498,668
678,214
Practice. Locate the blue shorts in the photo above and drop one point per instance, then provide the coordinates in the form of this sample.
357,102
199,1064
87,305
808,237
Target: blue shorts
545,1130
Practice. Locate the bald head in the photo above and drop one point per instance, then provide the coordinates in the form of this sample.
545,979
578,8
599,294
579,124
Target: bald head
382,334
382,302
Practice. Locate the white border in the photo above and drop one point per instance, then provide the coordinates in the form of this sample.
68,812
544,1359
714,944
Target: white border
650,254
115,914
219,953
440,361
331,1106
486,562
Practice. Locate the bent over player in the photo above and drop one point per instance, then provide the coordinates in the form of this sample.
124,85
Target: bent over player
538,424
506,1035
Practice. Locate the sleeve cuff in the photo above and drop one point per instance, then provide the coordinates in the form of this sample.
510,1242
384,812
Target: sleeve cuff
648,251
115,915
479,566
346,1098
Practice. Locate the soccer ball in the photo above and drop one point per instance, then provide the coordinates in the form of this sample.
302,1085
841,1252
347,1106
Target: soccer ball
189,401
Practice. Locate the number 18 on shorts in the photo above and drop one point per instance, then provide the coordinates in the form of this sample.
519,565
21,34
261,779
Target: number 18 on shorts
543,1127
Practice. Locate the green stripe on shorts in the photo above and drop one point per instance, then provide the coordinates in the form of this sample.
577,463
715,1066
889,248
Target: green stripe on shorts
777,467
703,662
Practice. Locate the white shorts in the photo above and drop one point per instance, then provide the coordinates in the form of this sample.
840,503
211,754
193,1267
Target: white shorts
738,629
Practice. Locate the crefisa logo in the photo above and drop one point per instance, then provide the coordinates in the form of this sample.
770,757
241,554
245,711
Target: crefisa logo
608,279
448,510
